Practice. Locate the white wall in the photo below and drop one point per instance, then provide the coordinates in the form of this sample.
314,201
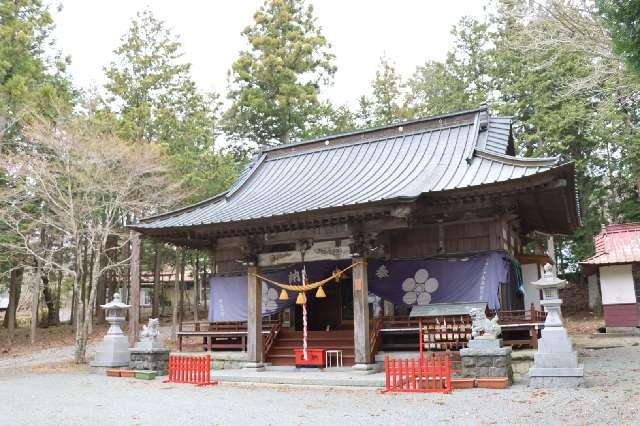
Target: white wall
594,290
616,283
530,272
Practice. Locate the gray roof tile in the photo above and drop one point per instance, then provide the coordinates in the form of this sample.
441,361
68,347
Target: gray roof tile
406,165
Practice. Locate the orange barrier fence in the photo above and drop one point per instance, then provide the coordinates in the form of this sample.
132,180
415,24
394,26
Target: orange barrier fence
190,369
427,374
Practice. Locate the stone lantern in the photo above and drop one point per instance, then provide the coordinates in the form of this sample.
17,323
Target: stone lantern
113,351
555,362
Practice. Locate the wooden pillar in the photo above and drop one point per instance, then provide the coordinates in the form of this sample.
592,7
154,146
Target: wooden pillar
207,284
551,248
155,304
361,315
134,295
175,299
254,320
196,288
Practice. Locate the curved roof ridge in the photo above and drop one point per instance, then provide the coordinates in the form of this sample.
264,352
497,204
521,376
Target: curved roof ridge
368,141
517,161
249,171
372,129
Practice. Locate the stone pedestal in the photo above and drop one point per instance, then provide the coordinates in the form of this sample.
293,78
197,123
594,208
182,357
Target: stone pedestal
113,351
156,359
149,354
486,358
555,363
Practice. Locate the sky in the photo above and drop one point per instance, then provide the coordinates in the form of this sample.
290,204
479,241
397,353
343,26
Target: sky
409,32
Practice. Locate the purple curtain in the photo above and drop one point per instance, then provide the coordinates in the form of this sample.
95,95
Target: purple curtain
410,282
474,278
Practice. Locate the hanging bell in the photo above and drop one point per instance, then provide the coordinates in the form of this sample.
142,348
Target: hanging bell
320,293
284,295
301,299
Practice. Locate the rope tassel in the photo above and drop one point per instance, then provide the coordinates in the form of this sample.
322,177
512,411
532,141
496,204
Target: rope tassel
301,299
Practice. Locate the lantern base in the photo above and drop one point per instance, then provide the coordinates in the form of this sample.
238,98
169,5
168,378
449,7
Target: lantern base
113,351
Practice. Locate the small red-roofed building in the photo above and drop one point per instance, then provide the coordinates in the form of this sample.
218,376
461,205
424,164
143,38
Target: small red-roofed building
617,265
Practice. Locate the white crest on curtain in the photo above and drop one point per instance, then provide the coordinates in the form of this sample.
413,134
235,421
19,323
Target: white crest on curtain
418,289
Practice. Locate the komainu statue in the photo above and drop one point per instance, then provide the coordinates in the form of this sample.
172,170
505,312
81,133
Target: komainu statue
483,326
151,331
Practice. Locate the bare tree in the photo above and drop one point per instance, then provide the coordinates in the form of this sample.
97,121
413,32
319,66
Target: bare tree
81,185
573,26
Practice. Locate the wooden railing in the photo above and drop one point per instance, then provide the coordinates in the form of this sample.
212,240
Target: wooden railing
270,339
519,316
220,335
374,337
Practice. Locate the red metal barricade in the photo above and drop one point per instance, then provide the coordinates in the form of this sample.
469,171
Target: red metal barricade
190,369
426,374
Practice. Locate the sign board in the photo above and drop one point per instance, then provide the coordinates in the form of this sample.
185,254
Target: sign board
322,250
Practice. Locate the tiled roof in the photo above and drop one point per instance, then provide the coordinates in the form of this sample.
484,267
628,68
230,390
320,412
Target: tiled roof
497,138
617,243
392,162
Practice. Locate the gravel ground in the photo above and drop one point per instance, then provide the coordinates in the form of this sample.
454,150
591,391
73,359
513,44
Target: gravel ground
64,395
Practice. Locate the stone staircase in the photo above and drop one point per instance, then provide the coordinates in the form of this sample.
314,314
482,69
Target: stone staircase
281,352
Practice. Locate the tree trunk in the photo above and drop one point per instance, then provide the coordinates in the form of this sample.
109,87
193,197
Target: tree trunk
90,298
156,282
15,285
58,294
35,298
81,343
74,302
52,313
134,273
83,313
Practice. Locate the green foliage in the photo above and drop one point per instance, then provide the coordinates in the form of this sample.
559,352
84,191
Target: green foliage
330,120
386,103
275,84
156,101
542,77
462,81
31,83
622,19
550,66
29,78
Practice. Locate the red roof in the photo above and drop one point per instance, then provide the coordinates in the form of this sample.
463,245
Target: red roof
616,244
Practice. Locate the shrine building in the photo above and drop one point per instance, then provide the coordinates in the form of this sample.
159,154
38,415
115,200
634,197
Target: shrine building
424,213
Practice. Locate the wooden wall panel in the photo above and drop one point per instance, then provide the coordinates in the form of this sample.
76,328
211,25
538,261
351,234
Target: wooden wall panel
419,242
227,261
445,238
621,315
466,237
